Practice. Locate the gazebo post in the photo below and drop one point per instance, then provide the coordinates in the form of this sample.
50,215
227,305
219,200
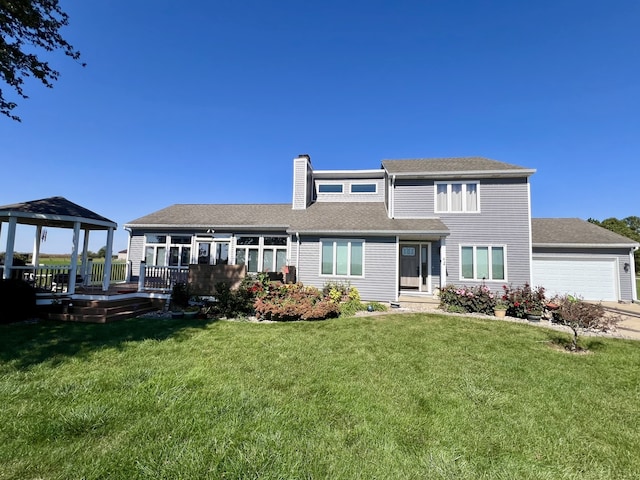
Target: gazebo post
74,258
85,256
106,279
11,240
35,258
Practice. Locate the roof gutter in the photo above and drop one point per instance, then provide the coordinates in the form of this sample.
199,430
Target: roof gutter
441,233
634,246
470,174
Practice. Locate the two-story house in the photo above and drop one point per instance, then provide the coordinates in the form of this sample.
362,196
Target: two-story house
408,227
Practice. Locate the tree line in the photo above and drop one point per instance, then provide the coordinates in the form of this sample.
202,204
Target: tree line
628,227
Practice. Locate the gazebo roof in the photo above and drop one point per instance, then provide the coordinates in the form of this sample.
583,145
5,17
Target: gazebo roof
55,212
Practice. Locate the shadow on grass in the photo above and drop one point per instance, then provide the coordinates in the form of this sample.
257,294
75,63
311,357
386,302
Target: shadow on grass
585,343
29,344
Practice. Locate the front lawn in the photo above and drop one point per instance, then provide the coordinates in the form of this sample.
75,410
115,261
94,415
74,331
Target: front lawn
388,397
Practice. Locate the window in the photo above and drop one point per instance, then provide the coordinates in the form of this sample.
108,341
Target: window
155,251
163,250
363,188
261,254
330,188
180,250
457,197
482,263
274,258
342,257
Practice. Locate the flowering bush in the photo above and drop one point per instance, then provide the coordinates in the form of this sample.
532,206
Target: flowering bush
294,302
479,299
341,292
523,300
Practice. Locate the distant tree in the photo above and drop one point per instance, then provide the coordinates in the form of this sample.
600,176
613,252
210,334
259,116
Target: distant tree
628,227
25,26
102,253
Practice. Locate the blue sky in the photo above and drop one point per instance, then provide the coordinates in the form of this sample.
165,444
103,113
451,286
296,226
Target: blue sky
209,101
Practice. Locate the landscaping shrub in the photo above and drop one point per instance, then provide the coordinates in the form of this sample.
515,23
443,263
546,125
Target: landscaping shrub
17,301
478,299
180,295
521,300
294,302
239,302
339,291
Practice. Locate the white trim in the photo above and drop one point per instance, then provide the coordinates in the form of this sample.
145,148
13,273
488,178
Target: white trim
44,218
530,233
397,268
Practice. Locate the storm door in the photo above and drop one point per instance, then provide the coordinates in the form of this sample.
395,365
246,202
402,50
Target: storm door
415,259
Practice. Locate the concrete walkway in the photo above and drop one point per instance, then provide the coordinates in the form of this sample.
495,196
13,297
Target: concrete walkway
629,327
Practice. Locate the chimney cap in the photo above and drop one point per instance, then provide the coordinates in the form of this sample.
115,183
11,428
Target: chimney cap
304,155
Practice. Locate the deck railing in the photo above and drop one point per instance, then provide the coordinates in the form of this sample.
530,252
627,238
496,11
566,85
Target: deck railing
55,278
156,277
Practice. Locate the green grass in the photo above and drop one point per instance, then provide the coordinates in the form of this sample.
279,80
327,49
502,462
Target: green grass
389,397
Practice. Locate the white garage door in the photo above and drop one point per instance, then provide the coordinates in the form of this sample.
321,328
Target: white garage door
591,279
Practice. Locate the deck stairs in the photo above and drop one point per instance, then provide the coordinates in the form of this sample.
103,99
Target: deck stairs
103,311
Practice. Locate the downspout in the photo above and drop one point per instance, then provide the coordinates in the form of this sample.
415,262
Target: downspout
632,266
297,256
392,205
129,263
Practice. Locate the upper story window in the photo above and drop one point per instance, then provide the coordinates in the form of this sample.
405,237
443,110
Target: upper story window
363,188
330,188
457,197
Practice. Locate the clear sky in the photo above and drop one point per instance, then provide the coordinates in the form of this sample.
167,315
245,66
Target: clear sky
209,101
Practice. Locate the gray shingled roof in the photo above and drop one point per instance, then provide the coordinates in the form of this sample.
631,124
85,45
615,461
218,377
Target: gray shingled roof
55,212
345,217
447,166
218,215
574,232
337,217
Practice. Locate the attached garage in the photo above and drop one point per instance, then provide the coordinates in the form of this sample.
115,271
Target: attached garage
571,256
589,278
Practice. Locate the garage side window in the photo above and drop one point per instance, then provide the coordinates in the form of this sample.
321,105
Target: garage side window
482,262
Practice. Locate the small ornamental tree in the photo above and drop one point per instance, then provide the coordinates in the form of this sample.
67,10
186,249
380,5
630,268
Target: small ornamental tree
580,315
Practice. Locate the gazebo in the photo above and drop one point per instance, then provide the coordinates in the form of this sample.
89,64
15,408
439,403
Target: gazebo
56,212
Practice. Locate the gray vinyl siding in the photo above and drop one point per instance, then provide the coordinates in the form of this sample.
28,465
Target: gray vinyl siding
346,195
625,279
503,220
379,281
136,251
413,199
